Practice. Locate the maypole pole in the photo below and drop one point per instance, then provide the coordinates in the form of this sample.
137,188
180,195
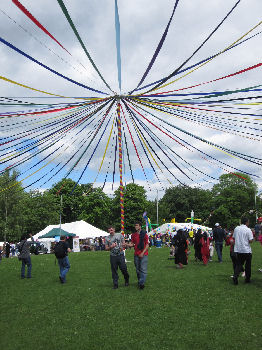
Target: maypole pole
121,187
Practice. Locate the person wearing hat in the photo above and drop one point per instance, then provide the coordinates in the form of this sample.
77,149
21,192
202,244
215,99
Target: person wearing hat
219,236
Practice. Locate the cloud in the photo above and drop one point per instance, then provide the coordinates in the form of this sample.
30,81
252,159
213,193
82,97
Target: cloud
142,25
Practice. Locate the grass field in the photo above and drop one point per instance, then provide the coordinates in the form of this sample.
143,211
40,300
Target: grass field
194,308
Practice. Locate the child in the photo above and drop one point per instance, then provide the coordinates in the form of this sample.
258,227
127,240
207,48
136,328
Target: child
211,250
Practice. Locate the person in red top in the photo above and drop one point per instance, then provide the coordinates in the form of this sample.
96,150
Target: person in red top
140,243
204,243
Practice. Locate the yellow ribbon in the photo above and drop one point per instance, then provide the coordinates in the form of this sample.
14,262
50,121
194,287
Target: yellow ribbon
162,86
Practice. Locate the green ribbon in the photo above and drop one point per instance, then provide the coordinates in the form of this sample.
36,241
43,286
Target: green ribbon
64,9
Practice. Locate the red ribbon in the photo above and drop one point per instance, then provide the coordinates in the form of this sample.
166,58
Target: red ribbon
207,82
29,15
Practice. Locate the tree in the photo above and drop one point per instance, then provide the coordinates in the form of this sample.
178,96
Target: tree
96,208
179,201
10,213
84,203
40,209
135,205
151,209
233,197
71,201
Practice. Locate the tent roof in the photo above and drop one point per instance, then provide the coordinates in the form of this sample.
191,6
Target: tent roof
54,232
169,227
81,229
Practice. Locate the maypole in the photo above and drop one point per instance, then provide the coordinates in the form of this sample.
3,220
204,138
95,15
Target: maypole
121,187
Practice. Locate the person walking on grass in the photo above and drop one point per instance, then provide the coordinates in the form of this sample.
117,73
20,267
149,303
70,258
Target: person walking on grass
7,249
115,243
205,252
219,236
24,256
140,243
197,246
260,240
61,251
231,242
243,237
181,245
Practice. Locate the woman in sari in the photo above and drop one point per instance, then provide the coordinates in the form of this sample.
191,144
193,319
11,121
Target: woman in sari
204,243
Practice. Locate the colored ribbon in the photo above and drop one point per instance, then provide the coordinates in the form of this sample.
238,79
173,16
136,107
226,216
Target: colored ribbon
159,46
193,54
48,68
39,25
117,27
65,12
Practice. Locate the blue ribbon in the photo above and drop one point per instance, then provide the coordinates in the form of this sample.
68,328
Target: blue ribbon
117,26
48,68
159,46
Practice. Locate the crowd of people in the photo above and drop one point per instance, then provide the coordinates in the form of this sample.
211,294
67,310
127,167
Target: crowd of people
238,239
180,243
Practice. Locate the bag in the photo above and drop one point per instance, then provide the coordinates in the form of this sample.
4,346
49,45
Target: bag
20,251
59,250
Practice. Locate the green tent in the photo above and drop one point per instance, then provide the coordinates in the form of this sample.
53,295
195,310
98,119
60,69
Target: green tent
57,232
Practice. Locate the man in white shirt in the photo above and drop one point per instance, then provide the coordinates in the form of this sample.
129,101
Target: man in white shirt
243,237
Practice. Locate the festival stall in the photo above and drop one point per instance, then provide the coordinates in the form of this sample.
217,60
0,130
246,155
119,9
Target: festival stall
168,228
81,229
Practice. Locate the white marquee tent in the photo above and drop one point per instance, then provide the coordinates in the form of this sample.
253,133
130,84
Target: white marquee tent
81,228
170,227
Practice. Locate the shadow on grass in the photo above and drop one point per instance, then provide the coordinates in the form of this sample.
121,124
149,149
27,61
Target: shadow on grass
169,267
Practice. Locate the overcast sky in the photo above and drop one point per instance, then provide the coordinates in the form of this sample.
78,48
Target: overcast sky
142,25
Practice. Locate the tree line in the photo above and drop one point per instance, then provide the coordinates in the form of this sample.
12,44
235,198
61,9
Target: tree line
23,212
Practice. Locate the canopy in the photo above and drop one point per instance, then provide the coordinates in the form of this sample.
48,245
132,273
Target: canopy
57,232
170,227
82,229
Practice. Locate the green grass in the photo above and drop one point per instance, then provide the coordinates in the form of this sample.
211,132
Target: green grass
194,308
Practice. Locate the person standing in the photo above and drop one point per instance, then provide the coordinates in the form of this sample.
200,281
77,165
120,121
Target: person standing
197,246
260,240
219,236
115,243
61,252
140,243
100,240
12,249
243,237
7,249
257,230
205,252
191,236
24,256
181,245
231,242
